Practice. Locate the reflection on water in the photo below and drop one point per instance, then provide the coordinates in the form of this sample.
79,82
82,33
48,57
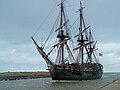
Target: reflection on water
48,84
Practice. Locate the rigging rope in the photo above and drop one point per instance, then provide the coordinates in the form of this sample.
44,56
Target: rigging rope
73,24
50,32
44,20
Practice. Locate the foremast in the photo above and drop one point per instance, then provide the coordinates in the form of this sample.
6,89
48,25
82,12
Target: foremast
63,36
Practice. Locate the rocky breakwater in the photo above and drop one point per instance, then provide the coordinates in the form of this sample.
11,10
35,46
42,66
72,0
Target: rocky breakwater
23,75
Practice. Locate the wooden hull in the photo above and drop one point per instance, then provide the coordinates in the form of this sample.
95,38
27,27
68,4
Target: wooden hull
75,74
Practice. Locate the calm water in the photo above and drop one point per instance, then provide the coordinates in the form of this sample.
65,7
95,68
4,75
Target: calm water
48,84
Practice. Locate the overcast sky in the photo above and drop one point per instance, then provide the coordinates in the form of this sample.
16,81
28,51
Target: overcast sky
19,19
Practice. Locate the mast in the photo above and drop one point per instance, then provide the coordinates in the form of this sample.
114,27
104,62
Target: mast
61,31
62,37
80,38
81,29
85,43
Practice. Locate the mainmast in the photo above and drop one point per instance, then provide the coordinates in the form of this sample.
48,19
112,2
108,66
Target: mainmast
82,40
80,37
85,41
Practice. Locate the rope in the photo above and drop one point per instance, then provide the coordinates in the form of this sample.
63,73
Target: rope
44,20
50,32
73,24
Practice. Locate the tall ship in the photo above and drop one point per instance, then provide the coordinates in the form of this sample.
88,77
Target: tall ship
75,56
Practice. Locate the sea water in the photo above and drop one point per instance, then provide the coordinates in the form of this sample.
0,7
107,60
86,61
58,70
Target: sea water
48,84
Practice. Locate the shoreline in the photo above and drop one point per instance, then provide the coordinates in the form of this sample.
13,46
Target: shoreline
22,75
109,81
5,76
